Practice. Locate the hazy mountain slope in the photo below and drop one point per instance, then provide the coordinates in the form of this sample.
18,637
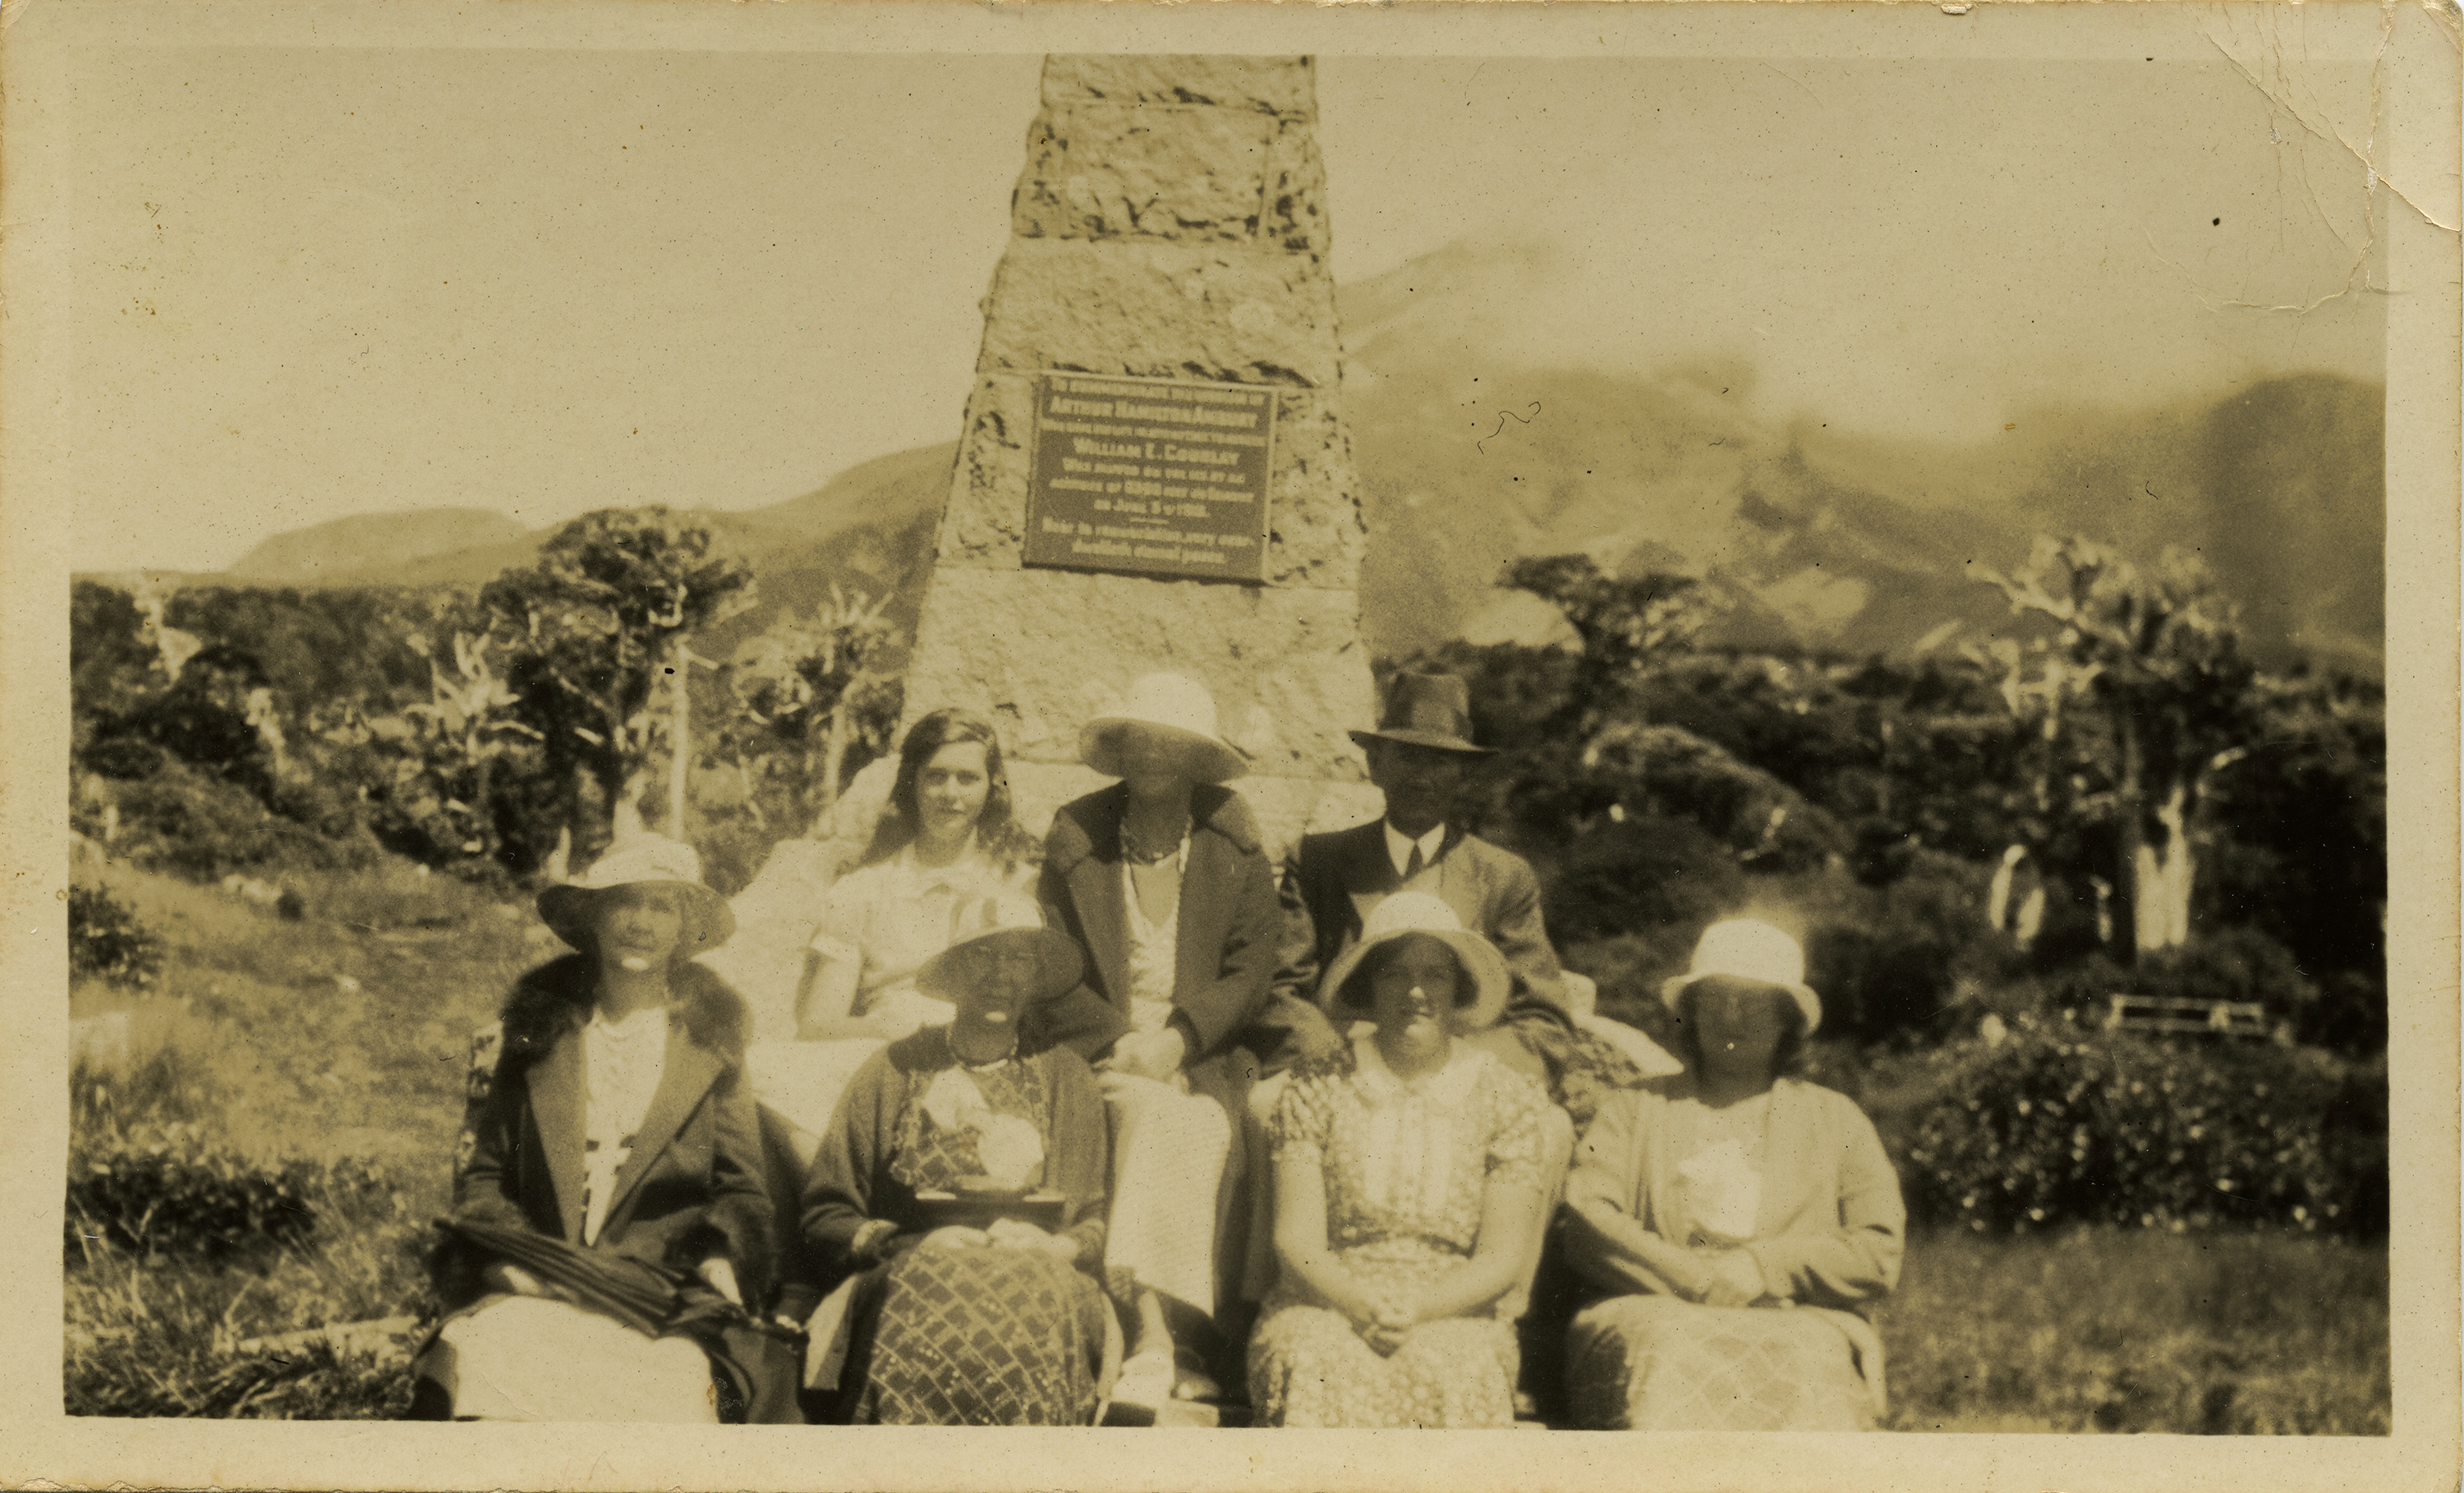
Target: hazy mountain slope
316,555
1471,454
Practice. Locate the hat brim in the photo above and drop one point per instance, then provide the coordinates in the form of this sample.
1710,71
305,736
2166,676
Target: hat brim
1210,759
1059,964
1493,981
1808,1003
1432,739
709,921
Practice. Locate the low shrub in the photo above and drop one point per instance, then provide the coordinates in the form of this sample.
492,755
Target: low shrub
2057,1125
108,942
161,1190
1643,873
189,822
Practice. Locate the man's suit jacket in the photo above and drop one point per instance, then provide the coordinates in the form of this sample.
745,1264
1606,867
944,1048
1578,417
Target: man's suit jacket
1333,879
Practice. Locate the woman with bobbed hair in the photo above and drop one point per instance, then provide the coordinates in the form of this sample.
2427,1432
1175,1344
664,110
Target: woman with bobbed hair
1736,1223
947,834
1409,1181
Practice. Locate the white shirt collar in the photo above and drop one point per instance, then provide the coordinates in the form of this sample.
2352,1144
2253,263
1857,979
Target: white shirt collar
1448,1085
956,876
1399,846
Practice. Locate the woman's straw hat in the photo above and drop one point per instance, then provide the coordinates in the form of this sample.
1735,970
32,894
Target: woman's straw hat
1177,705
634,860
1746,947
1418,913
986,921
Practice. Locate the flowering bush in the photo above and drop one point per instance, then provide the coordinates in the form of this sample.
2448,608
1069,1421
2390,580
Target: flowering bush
2054,1126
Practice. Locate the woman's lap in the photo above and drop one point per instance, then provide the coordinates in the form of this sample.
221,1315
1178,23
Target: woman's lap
1654,1363
527,1358
980,1337
1308,1367
1170,1152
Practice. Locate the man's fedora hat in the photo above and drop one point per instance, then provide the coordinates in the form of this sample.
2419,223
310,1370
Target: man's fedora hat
1426,711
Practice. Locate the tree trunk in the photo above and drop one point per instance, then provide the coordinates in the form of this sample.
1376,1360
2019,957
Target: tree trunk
680,758
834,755
2133,847
2162,874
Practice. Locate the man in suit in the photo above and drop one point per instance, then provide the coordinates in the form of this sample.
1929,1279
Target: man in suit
1417,757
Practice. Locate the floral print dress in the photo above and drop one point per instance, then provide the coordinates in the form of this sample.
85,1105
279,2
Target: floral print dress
1407,1165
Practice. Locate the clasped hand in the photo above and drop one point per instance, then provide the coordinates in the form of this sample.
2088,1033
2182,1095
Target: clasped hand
1735,1280
1156,1055
1384,1319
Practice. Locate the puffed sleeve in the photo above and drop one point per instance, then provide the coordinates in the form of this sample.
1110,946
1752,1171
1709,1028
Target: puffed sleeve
1515,1145
1297,1128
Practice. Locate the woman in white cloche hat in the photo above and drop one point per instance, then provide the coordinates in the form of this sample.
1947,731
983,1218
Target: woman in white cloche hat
1736,1225
1164,880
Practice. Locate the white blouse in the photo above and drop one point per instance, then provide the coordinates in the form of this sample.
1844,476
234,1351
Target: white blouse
621,1062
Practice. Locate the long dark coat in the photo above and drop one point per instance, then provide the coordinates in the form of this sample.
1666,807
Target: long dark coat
694,1186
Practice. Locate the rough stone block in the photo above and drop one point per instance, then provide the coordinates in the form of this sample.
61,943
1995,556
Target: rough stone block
1268,85
983,523
1314,534
1295,196
1100,170
1044,651
1162,310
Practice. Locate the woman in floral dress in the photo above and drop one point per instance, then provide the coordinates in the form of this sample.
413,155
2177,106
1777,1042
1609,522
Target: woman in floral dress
945,1323
1407,1188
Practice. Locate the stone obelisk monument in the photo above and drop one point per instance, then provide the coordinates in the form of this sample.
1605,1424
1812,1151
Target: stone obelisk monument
1170,225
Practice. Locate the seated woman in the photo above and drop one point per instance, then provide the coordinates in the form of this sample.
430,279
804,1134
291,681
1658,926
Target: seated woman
614,1122
950,1322
946,836
1164,881
1742,1222
1408,1186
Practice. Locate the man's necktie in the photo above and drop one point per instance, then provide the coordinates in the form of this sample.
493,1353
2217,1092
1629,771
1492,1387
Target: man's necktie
1415,865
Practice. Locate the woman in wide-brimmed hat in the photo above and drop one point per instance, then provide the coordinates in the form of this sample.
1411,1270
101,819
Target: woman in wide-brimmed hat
616,1122
980,1307
1408,1186
1703,1201
1164,880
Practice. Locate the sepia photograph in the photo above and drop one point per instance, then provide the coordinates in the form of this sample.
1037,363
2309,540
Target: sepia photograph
1189,723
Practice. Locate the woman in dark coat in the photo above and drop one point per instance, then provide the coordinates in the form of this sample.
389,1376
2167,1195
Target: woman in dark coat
961,1190
616,1122
1164,881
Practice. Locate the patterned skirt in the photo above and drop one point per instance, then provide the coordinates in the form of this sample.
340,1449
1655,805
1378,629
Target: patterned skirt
974,1338
1310,1367
1654,1363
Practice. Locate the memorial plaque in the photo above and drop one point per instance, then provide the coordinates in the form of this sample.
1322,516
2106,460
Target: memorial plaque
1151,476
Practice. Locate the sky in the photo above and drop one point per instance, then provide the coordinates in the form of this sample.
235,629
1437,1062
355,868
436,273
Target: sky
313,283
